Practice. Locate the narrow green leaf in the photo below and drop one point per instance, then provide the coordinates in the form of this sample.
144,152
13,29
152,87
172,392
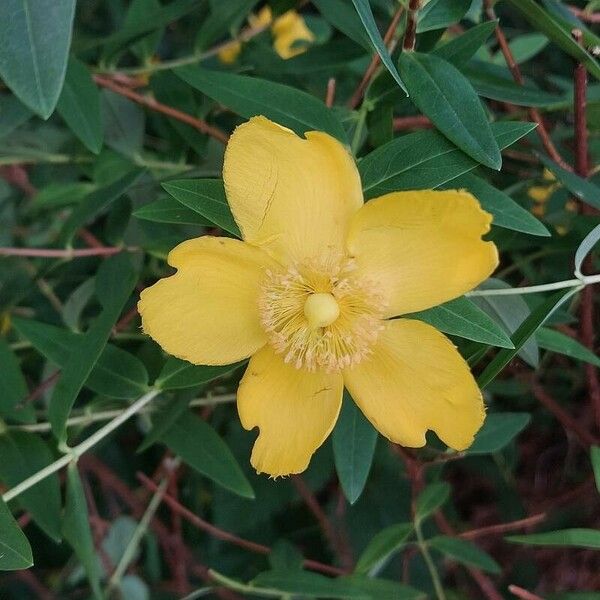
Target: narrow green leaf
439,14
382,546
162,420
547,24
555,341
117,374
114,283
344,18
178,374
430,499
465,319
76,528
582,188
383,589
13,388
79,106
595,458
506,212
223,17
523,47
15,551
586,246
169,210
441,92
528,328
307,585
354,440
24,454
94,203
366,16
461,49
198,445
464,552
12,114
498,430
207,198
250,96
578,538
35,48
425,160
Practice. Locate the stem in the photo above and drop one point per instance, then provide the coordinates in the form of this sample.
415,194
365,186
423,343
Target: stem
82,448
106,415
59,253
238,586
410,35
435,576
534,289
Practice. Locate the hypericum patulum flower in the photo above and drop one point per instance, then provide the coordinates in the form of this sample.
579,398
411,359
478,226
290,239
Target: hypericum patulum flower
290,34
312,292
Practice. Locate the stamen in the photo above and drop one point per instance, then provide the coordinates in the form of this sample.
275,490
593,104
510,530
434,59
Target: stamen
319,316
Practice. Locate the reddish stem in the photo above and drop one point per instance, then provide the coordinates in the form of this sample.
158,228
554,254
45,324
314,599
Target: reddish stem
416,122
58,253
502,527
522,593
330,96
410,35
153,104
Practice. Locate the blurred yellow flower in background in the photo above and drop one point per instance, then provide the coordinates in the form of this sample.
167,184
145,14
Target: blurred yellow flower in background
312,292
289,31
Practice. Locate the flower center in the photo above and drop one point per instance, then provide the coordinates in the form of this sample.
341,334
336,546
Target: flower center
319,315
321,310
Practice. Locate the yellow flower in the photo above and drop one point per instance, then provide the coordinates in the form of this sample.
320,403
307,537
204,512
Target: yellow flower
310,296
288,29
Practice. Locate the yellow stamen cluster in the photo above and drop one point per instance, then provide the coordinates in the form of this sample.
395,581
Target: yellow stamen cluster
319,315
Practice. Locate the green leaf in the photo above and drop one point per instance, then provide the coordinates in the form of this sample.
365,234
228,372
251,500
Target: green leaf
117,374
586,246
535,320
222,19
382,546
35,48
441,92
250,96
344,18
461,49
491,81
383,589
13,388
523,47
582,188
547,24
354,440
307,585
24,454
465,319
94,203
198,445
430,499
207,198
124,124
425,160
76,528
114,283
578,538
366,16
506,212
162,420
169,210
12,114
499,429
595,458
79,106
179,374
555,341
439,14
15,551
464,552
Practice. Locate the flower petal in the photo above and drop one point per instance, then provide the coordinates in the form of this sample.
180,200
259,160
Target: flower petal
416,380
422,248
293,196
289,29
207,313
294,409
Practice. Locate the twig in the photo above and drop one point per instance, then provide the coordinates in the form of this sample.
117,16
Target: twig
60,253
534,113
502,527
368,75
330,96
153,104
410,35
344,554
571,424
226,536
582,168
522,593
416,122
584,15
